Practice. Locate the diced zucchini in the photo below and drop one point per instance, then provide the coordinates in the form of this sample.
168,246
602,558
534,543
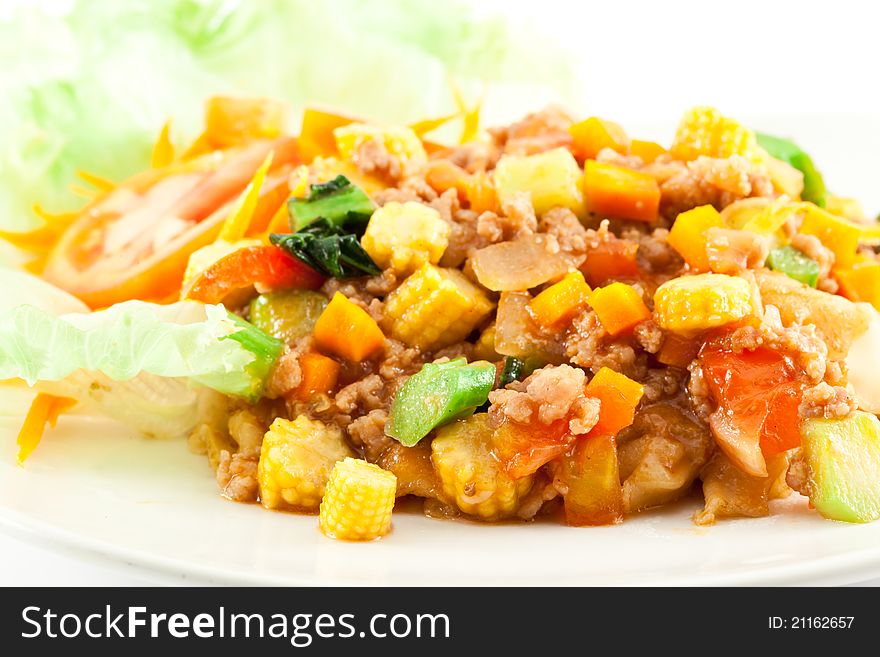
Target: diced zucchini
287,315
552,178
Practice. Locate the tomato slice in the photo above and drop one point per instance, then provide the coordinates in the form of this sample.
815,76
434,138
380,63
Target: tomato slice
136,242
758,393
266,265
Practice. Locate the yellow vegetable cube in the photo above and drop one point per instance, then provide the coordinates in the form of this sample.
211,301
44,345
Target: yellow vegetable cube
552,178
434,308
295,461
695,303
358,501
838,234
405,236
558,303
688,235
471,475
399,141
704,131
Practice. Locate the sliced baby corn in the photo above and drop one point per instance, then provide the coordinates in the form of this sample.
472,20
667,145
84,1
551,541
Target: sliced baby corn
358,501
695,303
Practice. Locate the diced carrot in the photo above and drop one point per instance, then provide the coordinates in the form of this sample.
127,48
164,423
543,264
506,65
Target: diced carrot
319,375
44,410
612,259
347,330
647,150
480,192
557,304
619,307
592,135
617,192
618,396
838,234
861,281
678,351
688,235
316,132
443,174
234,121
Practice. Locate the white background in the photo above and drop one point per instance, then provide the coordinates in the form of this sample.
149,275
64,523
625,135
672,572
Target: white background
638,61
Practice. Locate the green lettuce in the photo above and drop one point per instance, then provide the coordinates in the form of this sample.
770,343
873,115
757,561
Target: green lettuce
88,87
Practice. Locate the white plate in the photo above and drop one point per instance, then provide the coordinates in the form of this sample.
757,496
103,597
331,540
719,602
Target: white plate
92,488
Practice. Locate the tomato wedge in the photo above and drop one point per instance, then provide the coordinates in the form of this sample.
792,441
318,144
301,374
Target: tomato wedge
758,393
136,241
267,266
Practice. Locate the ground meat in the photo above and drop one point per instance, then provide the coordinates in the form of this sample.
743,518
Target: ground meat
587,344
649,336
368,431
364,292
464,238
517,219
663,383
698,390
475,156
706,181
541,492
655,256
731,251
569,232
611,156
811,247
798,474
800,341
247,431
549,394
237,477
399,361
362,396
413,188
823,400
536,133
373,158
287,374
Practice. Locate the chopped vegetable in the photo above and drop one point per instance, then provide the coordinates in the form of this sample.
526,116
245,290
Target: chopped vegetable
844,464
688,235
434,308
401,142
518,335
296,458
469,472
268,266
647,150
758,393
405,236
512,369
358,501
618,396
436,395
316,133
265,349
44,410
236,225
556,305
287,315
523,448
319,375
612,259
614,191
163,149
347,330
552,178
678,351
861,281
794,264
520,264
593,134
481,194
786,150
338,201
619,307
691,304
838,234
704,131
329,249
591,475
234,121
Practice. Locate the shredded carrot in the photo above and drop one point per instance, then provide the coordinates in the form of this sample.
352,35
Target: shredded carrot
319,375
163,149
617,192
619,307
44,410
239,220
347,330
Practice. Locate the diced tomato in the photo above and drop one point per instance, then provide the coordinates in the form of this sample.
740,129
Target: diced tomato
759,392
267,266
613,259
523,448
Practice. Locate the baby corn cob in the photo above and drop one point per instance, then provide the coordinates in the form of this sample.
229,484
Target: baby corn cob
405,236
704,131
704,301
295,462
358,501
399,141
434,308
471,475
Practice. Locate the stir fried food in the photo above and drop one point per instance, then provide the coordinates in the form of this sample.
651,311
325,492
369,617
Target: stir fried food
548,319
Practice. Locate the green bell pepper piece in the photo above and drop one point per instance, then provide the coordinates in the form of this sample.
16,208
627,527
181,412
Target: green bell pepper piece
338,201
789,152
793,263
